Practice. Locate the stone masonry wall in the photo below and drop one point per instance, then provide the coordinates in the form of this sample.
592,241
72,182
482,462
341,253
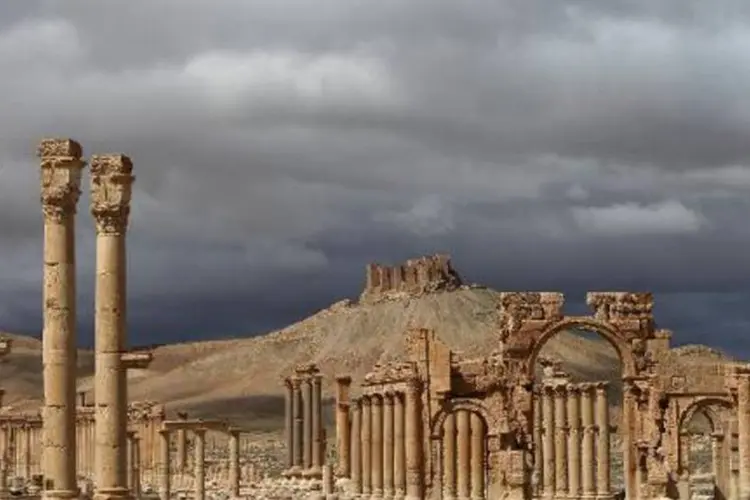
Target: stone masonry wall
413,277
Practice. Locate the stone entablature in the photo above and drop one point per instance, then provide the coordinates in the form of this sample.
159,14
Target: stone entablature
413,277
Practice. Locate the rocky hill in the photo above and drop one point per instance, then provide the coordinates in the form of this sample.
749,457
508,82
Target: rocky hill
239,378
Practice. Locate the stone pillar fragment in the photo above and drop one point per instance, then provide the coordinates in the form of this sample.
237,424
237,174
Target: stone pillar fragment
61,167
343,434
111,185
399,451
388,446
561,448
199,465
316,422
307,421
587,442
181,461
574,443
449,456
356,450
234,462
478,451
603,474
538,439
548,444
377,446
413,432
298,427
164,487
366,445
463,454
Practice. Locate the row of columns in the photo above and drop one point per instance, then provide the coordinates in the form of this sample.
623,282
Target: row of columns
19,447
463,455
199,468
385,447
572,441
111,187
304,423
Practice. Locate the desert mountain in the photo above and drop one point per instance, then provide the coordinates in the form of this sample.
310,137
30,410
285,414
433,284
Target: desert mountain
240,378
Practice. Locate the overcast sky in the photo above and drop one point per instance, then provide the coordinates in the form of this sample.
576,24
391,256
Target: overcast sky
281,145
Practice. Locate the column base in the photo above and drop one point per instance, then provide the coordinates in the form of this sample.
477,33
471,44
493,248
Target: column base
61,494
112,494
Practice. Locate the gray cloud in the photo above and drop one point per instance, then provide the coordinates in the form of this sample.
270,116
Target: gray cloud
278,147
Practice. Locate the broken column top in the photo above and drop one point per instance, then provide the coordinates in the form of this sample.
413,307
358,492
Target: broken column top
415,276
57,148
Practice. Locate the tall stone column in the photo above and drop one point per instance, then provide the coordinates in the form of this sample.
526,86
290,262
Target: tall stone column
388,446
317,425
61,166
537,438
234,462
307,423
356,450
367,445
561,448
27,451
477,457
377,446
164,469
413,432
343,430
587,442
629,456
603,474
743,434
289,422
574,443
449,456
181,461
548,443
111,185
399,452
463,454
298,425
200,466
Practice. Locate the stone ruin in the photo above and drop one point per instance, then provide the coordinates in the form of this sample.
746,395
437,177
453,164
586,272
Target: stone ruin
413,277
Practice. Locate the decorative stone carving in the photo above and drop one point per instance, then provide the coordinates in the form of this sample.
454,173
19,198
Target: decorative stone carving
111,188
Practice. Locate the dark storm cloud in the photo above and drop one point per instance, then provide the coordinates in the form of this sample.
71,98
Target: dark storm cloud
280,146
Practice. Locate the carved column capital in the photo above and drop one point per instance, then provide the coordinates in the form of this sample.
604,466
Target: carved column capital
111,188
61,164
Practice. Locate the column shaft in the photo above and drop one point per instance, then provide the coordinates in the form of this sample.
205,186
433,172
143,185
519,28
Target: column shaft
356,450
343,429
234,463
561,448
629,456
463,454
377,446
200,471
477,456
603,474
413,432
61,175
399,452
307,423
388,446
366,445
164,489
317,425
538,439
574,443
289,422
548,444
587,444
298,425
449,456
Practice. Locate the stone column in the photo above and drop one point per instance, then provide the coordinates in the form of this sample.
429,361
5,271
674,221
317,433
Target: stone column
317,425
356,451
200,467
463,454
716,456
449,456
27,451
131,461
111,185
377,446
587,442
574,443
289,422
548,444
343,431
181,461
684,452
477,457
603,474
538,437
366,445
399,452
298,424
388,446
234,462
61,167
164,489
629,455
413,432
307,422
743,431
561,459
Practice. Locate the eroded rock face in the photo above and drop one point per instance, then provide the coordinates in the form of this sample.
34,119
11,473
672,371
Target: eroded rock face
414,277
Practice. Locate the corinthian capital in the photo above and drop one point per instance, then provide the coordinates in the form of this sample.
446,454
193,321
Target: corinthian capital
111,187
60,177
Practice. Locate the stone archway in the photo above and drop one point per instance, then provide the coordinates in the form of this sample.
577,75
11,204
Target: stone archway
625,320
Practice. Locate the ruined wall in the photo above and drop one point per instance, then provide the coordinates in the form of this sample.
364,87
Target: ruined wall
413,277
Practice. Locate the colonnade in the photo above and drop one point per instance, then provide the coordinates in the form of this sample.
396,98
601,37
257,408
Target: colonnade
305,434
572,441
463,455
379,437
20,439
